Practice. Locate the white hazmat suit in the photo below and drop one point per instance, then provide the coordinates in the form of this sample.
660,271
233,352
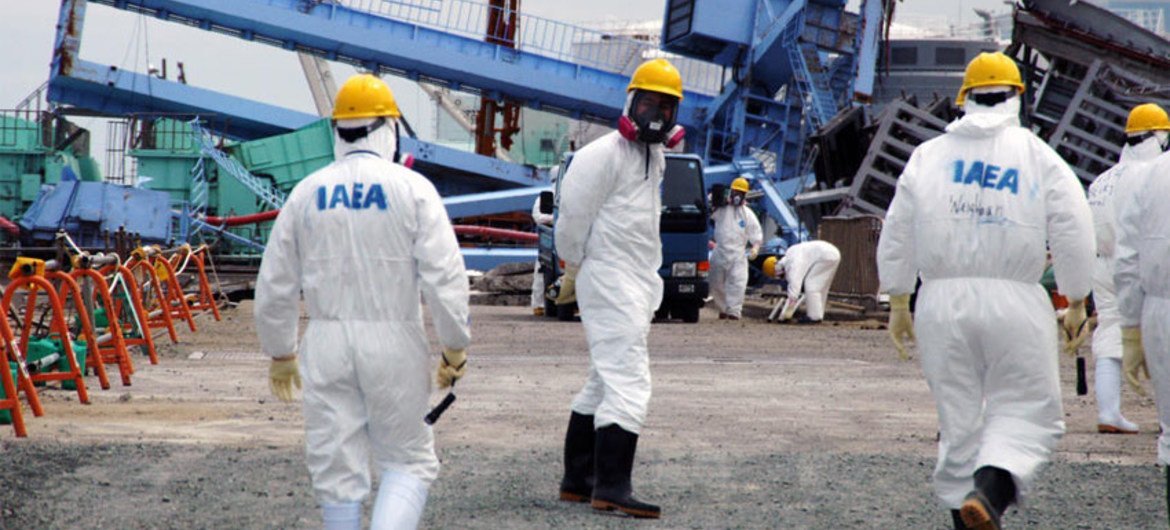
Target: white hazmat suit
736,228
972,213
538,276
607,223
809,266
1142,277
360,239
1104,194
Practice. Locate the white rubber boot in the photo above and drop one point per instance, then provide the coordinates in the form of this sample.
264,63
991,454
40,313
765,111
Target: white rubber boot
1108,386
345,516
401,498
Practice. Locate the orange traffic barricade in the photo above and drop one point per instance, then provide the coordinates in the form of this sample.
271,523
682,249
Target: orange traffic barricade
111,346
35,284
130,311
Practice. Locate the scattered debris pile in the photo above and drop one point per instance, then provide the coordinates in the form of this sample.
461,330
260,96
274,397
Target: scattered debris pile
508,284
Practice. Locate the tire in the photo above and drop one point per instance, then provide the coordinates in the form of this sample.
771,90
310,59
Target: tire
662,314
688,313
567,312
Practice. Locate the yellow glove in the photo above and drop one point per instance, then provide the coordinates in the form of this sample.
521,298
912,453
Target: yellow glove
282,375
901,323
1133,358
790,306
451,367
568,292
1074,326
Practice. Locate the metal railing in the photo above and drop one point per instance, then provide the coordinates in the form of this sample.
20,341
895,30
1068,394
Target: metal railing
540,36
26,129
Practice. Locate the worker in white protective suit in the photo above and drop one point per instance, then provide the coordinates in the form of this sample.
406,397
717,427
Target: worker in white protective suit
545,219
809,267
737,239
1147,130
1142,277
607,234
360,239
972,213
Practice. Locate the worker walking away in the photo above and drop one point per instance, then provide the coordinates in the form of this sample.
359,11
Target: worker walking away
607,234
1142,277
737,239
360,239
1147,131
545,219
972,214
811,267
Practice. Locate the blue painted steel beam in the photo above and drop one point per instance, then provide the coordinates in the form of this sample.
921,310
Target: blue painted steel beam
867,54
115,92
495,202
485,259
111,91
375,42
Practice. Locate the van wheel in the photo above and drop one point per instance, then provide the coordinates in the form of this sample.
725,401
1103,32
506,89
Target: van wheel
688,313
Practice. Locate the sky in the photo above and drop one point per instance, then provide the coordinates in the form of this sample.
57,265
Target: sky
230,65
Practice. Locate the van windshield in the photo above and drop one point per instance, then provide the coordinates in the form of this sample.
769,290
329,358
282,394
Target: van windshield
682,186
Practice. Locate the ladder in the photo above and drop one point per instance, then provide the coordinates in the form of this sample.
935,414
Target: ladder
271,196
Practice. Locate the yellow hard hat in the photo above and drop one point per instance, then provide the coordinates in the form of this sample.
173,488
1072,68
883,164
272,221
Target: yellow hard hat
657,75
740,184
364,96
990,69
770,266
1147,117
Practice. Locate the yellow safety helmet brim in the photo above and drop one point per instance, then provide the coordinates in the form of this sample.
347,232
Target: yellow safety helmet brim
657,75
365,96
1147,117
740,184
990,69
770,266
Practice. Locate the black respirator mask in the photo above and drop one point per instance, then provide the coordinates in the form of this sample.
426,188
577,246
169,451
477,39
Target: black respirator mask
651,118
737,198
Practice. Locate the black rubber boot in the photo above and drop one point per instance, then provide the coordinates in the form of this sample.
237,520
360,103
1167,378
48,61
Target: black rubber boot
995,490
615,462
577,485
958,520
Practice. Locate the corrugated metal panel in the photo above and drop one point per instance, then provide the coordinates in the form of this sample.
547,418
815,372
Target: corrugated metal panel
857,239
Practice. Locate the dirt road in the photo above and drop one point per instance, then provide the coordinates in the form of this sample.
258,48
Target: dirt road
752,425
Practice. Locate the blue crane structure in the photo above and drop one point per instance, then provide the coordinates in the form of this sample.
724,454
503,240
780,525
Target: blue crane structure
760,76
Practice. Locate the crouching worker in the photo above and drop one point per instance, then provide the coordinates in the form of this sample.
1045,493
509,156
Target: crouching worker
364,352
808,267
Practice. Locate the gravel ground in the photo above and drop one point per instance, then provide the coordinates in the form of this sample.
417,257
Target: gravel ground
752,425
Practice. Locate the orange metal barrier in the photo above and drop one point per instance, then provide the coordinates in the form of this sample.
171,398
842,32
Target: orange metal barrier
137,311
111,350
57,325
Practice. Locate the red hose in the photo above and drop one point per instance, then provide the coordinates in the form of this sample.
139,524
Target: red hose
242,219
9,226
467,230
496,233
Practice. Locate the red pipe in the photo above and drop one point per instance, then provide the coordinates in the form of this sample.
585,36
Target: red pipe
9,226
241,219
467,230
496,233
